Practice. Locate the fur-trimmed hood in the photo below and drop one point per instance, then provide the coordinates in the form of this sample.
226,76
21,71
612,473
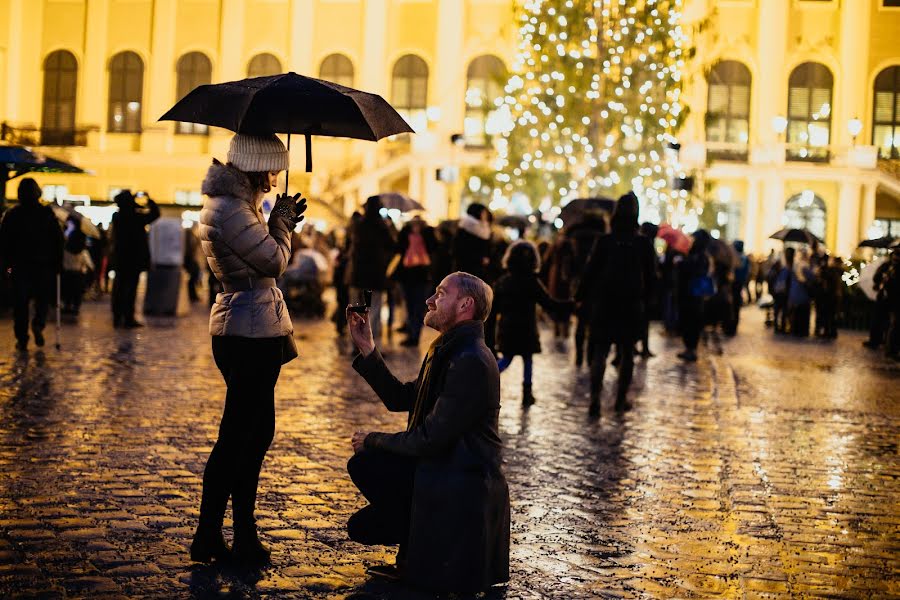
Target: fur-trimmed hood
224,180
476,227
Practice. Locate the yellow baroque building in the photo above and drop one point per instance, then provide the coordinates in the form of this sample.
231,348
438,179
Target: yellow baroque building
795,104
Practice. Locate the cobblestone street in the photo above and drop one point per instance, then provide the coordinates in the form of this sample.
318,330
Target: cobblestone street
768,469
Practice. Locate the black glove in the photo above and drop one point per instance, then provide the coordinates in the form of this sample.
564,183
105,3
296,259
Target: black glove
290,207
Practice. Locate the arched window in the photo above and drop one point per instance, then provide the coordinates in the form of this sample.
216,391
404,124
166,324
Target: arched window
193,69
337,68
263,65
485,79
886,113
60,89
805,210
728,108
126,90
409,90
809,112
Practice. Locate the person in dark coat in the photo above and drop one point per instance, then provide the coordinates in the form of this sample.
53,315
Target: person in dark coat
437,489
618,280
130,254
891,287
696,286
372,246
831,291
583,235
516,296
31,246
880,309
416,245
472,242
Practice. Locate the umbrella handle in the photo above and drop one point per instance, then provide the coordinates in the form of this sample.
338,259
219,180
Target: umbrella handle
287,172
308,153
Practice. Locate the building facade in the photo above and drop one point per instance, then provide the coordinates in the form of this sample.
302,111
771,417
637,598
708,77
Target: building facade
795,104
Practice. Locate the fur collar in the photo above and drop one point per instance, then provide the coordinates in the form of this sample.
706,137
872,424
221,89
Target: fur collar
223,180
479,229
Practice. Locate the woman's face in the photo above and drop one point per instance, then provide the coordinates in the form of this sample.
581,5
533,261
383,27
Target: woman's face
273,179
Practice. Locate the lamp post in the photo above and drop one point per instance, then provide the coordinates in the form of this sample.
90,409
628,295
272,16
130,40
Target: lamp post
779,125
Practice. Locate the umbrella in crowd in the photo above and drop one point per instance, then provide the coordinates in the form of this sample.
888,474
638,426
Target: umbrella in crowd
887,241
66,212
801,236
579,207
398,201
867,277
675,238
514,221
290,103
18,160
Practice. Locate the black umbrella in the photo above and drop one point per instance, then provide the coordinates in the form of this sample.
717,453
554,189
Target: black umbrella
18,160
579,207
290,103
801,236
882,242
398,201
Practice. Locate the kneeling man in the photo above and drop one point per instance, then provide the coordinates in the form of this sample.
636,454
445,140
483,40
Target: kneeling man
437,489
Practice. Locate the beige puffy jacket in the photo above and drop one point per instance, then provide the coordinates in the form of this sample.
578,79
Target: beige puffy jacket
246,256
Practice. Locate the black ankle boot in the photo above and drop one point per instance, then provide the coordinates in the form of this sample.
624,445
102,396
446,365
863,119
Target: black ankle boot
527,397
247,548
622,403
209,544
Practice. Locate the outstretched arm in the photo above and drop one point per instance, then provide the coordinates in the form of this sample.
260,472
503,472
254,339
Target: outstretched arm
396,396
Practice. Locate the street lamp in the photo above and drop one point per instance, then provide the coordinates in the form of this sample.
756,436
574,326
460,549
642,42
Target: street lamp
779,125
854,126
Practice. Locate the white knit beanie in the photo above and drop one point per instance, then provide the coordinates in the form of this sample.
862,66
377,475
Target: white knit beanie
257,154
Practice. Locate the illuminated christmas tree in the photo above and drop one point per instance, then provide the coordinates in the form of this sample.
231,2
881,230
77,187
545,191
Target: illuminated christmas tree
594,101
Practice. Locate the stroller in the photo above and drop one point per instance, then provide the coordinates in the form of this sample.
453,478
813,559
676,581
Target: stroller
304,282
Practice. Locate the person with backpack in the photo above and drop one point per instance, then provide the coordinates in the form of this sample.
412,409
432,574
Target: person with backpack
618,281
516,296
696,285
31,247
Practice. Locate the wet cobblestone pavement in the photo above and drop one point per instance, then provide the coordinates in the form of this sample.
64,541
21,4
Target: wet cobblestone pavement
769,469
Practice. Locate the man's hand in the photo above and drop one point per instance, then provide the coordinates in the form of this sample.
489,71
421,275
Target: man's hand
358,440
361,332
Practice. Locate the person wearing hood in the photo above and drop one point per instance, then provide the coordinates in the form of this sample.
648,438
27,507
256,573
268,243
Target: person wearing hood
472,242
31,247
130,254
618,281
252,334
372,246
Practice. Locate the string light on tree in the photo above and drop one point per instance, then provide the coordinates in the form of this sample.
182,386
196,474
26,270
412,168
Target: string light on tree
594,100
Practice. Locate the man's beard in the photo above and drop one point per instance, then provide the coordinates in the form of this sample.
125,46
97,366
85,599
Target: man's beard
435,320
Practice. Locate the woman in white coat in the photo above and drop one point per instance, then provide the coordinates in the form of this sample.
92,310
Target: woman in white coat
252,334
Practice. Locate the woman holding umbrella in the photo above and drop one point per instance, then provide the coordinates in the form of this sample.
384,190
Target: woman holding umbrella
252,334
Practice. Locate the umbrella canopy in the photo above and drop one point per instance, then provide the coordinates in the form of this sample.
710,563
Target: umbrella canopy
867,277
675,238
801,236
398,201
290,103
64,213
577,208
21,160
882,242
514,221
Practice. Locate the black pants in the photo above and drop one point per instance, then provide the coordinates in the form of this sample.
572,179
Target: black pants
250,367
72,290
881,316
124,293
691,321
31,285
601,342
386,480
415,294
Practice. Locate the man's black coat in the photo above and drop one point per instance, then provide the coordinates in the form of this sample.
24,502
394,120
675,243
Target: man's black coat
459,525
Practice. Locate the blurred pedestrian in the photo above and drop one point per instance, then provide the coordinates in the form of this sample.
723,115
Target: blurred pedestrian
252,334
558,263
193,257
891,287
472,242
77,264
416,245
372,246
654,300
780,279
583,234
437,490
516,296
618,280
130,254
31,248
881,314
739,285
696,285
831,292
800,294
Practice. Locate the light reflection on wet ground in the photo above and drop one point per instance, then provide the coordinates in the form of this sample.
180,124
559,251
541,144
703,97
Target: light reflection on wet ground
768,469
